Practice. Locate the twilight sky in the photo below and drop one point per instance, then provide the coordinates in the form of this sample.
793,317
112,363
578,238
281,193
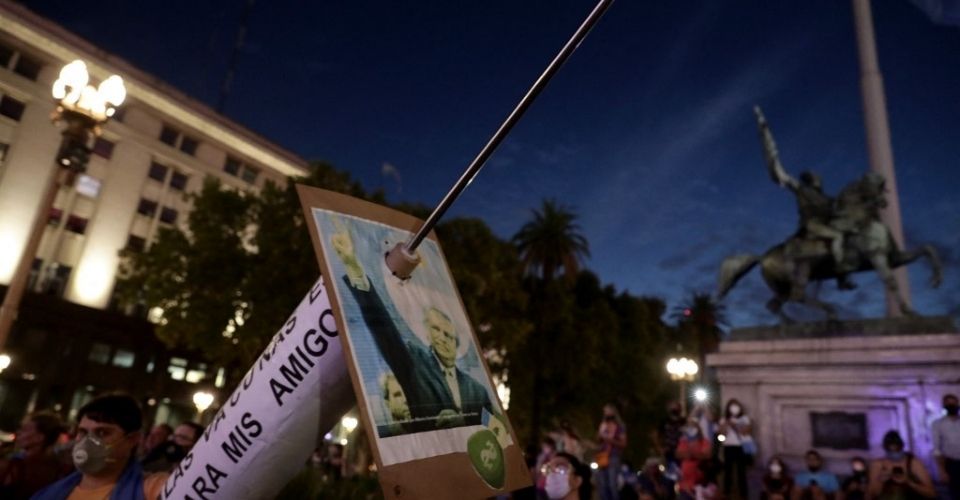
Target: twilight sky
647,132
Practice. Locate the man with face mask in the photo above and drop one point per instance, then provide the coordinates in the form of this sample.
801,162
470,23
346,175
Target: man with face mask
815,482
946,444
108,432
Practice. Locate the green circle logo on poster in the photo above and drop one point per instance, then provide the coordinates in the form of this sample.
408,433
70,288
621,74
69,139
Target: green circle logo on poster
487,457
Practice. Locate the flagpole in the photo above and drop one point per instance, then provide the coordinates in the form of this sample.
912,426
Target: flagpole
879,150
402,258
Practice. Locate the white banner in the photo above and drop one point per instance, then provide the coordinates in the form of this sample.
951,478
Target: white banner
262,436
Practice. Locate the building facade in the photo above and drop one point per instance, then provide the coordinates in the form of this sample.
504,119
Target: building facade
160,147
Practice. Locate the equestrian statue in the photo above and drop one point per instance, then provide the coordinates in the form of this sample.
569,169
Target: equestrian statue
836,238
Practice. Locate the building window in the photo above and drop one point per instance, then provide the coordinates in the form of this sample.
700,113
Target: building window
175,138
250,174
88,186
77,224
136,243
189,145
99,354
232,166
6,53
169,136
103,148
54,279
168,215
28,67
178,181
124,358
197,374
177,368
158,172
147,207
237,168
54,216
11,108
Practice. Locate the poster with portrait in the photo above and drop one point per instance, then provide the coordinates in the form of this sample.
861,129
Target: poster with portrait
424,391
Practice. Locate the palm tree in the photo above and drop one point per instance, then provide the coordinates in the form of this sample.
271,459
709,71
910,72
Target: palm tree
699,319
551,242
548,244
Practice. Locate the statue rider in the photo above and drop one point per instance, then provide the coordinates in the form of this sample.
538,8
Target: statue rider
816,209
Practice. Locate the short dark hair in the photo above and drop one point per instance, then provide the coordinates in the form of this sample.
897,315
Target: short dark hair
892,437
813,453
583,471
197,429
119,409
948,396
49,424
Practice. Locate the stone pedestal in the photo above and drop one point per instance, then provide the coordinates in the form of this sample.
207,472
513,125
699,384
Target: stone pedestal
840,393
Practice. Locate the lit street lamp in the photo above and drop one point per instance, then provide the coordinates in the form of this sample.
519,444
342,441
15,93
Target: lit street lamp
4,362
202,400
682,370
81,109
348,424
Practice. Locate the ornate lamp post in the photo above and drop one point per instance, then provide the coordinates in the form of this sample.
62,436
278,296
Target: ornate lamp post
81,109
682,370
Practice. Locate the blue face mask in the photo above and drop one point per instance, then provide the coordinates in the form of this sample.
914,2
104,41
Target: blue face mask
692,432
895,456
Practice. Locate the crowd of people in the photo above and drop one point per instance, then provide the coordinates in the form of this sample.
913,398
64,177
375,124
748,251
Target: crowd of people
701,457
107,454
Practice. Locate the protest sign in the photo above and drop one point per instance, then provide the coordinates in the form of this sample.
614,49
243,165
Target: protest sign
423,389
262,435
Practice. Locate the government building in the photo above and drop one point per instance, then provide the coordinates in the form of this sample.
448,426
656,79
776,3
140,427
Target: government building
159,147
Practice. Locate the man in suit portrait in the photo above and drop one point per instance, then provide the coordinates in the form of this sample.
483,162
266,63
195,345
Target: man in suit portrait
438,393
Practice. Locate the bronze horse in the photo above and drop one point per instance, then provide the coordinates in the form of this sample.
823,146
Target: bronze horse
868,246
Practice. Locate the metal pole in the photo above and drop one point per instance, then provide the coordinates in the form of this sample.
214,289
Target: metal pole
508,124
879,149
11,300
683,397
77,134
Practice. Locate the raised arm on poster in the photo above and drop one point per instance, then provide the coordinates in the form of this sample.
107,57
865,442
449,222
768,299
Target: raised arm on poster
424,391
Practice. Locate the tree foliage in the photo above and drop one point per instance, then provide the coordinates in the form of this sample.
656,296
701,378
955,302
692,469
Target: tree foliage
231,278
551,242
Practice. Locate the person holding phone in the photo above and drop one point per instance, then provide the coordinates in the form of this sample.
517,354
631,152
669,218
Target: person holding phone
815,482
898,474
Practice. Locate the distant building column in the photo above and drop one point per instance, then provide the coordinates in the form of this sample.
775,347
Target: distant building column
29,165
877,127
92,282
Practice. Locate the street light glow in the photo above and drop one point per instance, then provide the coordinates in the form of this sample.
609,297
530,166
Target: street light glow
4,362
682,368
349,423
700,394
202,400
74,92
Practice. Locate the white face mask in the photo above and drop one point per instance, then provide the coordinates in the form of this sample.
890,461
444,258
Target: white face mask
735,410
557,485
775,468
